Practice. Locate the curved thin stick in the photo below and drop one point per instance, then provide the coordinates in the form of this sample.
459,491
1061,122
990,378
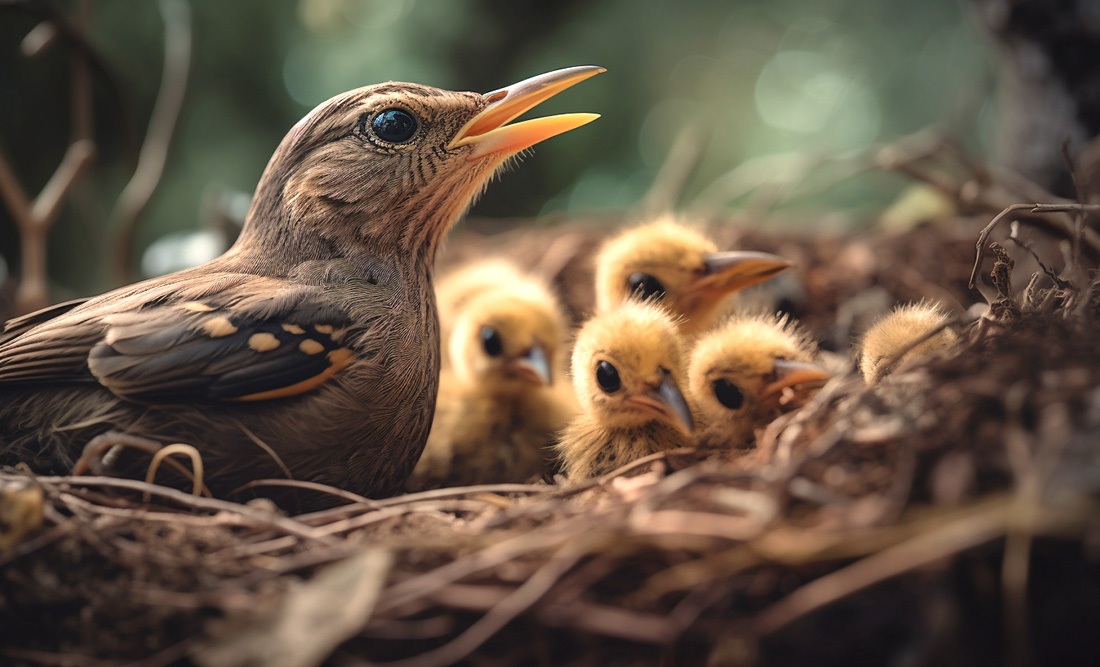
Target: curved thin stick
196,466
154,151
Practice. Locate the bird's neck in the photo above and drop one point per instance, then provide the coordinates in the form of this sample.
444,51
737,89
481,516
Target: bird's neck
273,243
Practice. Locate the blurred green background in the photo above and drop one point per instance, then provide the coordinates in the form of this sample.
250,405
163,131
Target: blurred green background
752,79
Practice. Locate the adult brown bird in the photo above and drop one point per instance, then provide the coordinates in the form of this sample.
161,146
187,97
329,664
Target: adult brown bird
679,267
628,368
502,398
908,334
312,345
740,375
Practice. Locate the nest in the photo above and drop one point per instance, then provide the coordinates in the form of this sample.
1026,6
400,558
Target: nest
946,515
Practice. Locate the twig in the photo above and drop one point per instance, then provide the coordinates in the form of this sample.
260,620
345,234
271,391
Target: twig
1089,235
967,532
1014,236
302,484
196,467
410,590
433,494
984,234
154,151
289,526
520,600
33,219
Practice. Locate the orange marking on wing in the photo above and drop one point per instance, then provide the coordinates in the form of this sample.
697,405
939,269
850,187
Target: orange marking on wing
338,359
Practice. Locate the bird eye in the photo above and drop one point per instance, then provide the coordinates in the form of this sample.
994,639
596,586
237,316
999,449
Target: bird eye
728,394
490,340
645,286
395,126
607,377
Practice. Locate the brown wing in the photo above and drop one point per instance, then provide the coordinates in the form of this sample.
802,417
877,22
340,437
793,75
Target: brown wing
222,337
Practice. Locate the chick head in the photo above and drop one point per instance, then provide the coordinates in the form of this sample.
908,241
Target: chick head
739,371
895,341
680,268
628,368
508,339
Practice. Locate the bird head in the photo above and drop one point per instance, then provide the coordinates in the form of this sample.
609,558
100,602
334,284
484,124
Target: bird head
389,168
508,339
908,334
739,372
628,367
680,268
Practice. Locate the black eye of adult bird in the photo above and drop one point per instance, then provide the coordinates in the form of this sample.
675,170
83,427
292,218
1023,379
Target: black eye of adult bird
728,394
490,340
316,333
608,377
395,126
645,287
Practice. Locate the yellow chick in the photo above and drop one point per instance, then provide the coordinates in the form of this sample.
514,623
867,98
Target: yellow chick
455,289
21,510
746,373
628,367
889,344
680,268
499,406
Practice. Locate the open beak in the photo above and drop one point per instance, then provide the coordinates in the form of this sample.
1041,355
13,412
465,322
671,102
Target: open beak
488,131
533,366
790,374
666,401
726,272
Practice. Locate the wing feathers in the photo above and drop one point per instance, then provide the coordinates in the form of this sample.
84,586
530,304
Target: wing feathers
256,339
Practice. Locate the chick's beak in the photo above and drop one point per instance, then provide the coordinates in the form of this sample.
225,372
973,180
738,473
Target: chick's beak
790,374
533,366
488,131
725,272
667,401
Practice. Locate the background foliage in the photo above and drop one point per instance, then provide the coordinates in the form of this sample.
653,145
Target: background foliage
752,79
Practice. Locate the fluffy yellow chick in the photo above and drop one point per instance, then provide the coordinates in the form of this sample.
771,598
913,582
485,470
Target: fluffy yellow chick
501,397
680,268
885,343
745,373
455,289
628,367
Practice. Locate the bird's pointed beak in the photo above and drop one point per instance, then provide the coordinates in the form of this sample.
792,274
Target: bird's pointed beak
668,401
726,272
791,374
533,366
488,131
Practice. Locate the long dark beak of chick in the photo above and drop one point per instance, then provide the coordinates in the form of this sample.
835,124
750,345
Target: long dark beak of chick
488,131
726,272
667,401
533,366
801,374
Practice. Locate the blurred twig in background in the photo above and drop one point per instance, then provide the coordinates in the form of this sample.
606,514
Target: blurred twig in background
33,218
154,152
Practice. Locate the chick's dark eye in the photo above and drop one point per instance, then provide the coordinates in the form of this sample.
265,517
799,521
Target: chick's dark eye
645,286
607,377
395,126
728,394
490,340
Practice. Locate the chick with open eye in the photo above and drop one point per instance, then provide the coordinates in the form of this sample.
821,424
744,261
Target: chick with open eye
501,400
747,372
628,368
909,333
680,268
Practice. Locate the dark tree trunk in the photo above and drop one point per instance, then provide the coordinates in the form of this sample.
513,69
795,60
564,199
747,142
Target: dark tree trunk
1049,89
